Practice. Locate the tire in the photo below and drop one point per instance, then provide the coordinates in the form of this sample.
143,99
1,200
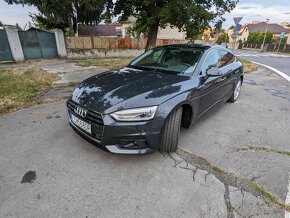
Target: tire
170,135
236,91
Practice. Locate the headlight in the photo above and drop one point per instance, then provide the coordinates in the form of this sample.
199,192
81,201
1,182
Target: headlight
137,114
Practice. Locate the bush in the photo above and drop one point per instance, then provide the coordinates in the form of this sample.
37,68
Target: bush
223,38
258,37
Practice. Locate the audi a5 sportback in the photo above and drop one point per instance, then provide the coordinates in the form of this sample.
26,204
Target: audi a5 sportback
141,107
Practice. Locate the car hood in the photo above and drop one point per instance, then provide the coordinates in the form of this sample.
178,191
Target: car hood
134,88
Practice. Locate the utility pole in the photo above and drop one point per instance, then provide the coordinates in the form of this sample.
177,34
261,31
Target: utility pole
265,35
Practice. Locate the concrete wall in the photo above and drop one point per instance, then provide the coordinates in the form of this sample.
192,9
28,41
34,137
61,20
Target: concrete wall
14,43
288,40
60,43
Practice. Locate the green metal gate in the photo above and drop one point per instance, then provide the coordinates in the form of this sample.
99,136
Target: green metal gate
5,52
38,44
47,44
30,44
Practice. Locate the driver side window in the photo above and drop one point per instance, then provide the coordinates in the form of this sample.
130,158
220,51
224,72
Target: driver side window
212,60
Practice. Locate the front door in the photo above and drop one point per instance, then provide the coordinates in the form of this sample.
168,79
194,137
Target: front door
209,86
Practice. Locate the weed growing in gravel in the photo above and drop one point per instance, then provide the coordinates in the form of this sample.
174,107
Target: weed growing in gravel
229,179
249,66
253,148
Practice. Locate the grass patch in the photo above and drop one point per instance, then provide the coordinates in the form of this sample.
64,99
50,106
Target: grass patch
249,66
110,63
253,148
266,194
19,86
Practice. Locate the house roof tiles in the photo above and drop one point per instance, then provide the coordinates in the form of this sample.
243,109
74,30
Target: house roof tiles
273,27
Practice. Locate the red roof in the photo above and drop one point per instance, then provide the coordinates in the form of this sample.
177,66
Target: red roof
261,27
99,30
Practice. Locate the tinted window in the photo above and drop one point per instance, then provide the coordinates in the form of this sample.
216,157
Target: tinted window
212,60
175,60
226,57
150,59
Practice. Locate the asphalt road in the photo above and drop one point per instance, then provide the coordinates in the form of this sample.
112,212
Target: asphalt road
260,118
278,61
47,170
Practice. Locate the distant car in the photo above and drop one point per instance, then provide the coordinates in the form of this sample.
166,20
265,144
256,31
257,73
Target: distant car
141,107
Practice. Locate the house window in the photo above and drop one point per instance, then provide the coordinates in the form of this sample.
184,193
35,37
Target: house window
118,32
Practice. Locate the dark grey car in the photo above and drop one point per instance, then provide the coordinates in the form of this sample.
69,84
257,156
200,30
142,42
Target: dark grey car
141,107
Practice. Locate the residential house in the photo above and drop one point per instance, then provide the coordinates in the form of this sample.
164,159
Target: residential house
286,25
274,28
107,30
171,33
123,30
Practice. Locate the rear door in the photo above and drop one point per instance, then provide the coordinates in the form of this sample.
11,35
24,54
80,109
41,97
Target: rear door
210,90
228,69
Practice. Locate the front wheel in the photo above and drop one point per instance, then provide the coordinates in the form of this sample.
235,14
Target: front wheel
236,92
169,140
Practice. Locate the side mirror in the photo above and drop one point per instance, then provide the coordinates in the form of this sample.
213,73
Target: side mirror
214,71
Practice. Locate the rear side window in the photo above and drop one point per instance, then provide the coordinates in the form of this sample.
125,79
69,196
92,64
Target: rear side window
226,57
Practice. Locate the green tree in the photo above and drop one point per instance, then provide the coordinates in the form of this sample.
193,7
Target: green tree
258,37
1,24
187,15
65,13
223,38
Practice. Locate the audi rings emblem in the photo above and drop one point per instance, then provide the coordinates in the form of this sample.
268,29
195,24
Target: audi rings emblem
80,111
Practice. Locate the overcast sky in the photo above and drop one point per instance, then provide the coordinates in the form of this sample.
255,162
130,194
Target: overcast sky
276,10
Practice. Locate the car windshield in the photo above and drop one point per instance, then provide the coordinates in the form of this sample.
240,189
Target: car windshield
170,59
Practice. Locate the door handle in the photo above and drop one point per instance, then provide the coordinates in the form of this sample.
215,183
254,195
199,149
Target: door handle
202,87
220,79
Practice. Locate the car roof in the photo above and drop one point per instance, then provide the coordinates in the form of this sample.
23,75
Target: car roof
188,45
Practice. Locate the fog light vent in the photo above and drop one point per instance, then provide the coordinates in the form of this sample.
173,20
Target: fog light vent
133,142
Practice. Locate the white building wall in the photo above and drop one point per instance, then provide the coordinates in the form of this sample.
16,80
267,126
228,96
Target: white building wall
171,33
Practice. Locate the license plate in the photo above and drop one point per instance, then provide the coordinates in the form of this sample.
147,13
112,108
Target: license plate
80,123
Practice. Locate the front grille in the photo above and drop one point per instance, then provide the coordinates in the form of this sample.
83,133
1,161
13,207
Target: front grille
93,118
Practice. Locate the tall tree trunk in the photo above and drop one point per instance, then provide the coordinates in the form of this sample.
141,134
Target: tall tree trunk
74,14
152,35
74,24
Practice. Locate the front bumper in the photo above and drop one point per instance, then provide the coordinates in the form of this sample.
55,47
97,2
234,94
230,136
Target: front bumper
117,149
123,137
